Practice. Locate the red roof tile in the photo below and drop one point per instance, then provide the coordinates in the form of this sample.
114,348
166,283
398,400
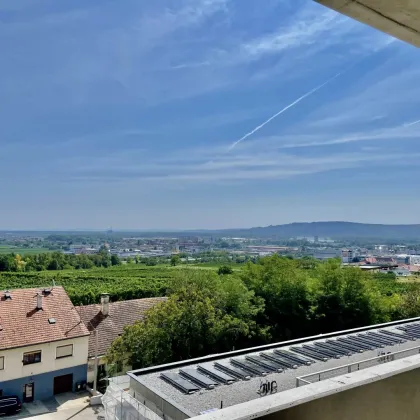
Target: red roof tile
22,324
109,327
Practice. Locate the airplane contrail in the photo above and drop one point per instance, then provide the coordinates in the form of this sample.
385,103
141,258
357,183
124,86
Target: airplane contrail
311,92
412,123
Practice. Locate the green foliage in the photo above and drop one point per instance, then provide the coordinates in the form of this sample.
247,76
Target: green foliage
287,295
54,261
224,269
347,298
175,260
200,317
115,260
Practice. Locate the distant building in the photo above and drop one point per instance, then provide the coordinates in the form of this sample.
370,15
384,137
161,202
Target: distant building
347,256
43,344
381,249
325,254
413,260
386,261
108,321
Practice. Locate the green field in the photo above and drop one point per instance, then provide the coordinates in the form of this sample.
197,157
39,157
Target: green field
6,249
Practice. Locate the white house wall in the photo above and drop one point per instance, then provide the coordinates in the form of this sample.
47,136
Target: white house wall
14,368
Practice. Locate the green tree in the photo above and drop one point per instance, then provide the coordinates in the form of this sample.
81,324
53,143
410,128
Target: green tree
150,262
175,260
115,260
346,298
224,269
287,295
200,317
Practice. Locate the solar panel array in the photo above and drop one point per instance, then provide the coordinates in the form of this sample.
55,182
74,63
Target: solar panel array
209,375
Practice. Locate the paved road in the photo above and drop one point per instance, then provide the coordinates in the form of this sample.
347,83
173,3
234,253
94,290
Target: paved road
62,407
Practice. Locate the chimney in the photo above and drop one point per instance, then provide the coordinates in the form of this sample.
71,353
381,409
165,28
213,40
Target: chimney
105,304
39,301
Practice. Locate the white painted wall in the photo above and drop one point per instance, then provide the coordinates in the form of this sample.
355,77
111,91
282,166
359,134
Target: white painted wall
14,368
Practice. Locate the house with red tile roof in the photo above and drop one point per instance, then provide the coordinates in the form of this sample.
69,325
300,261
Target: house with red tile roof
43,344
106,322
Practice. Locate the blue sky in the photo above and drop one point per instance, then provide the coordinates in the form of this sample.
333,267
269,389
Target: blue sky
124,113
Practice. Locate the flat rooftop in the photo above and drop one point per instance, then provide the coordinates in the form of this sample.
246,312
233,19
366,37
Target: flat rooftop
281,362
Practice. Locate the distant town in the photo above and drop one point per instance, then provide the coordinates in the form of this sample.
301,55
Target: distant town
401,258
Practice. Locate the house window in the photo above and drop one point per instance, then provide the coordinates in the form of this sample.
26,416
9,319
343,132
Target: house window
1,362
64,351
32,357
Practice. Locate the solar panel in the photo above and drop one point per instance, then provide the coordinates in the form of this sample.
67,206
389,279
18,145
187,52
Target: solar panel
334,348
352,343
366,340
227,367
324,352
377,341
266,364
402,328
220,376
394,334
280,360
411,328
383,339
198,378
396,337
309,353
251,367
179,382
293,357
391,340
412,333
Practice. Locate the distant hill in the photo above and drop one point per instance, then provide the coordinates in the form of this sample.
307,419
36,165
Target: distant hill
334,230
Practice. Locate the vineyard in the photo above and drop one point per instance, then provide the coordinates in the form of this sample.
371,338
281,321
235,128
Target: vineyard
85,286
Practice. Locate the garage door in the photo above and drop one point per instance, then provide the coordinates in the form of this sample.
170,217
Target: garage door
63,383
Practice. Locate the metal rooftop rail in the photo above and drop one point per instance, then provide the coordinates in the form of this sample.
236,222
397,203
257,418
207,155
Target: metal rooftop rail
363,364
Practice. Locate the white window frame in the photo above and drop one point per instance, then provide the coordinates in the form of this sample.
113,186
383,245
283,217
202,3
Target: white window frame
67,355
1,362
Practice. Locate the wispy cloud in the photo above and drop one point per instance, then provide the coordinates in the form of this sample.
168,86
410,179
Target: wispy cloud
249,165
303,30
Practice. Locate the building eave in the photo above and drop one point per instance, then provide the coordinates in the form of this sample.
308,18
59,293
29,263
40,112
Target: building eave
400,19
